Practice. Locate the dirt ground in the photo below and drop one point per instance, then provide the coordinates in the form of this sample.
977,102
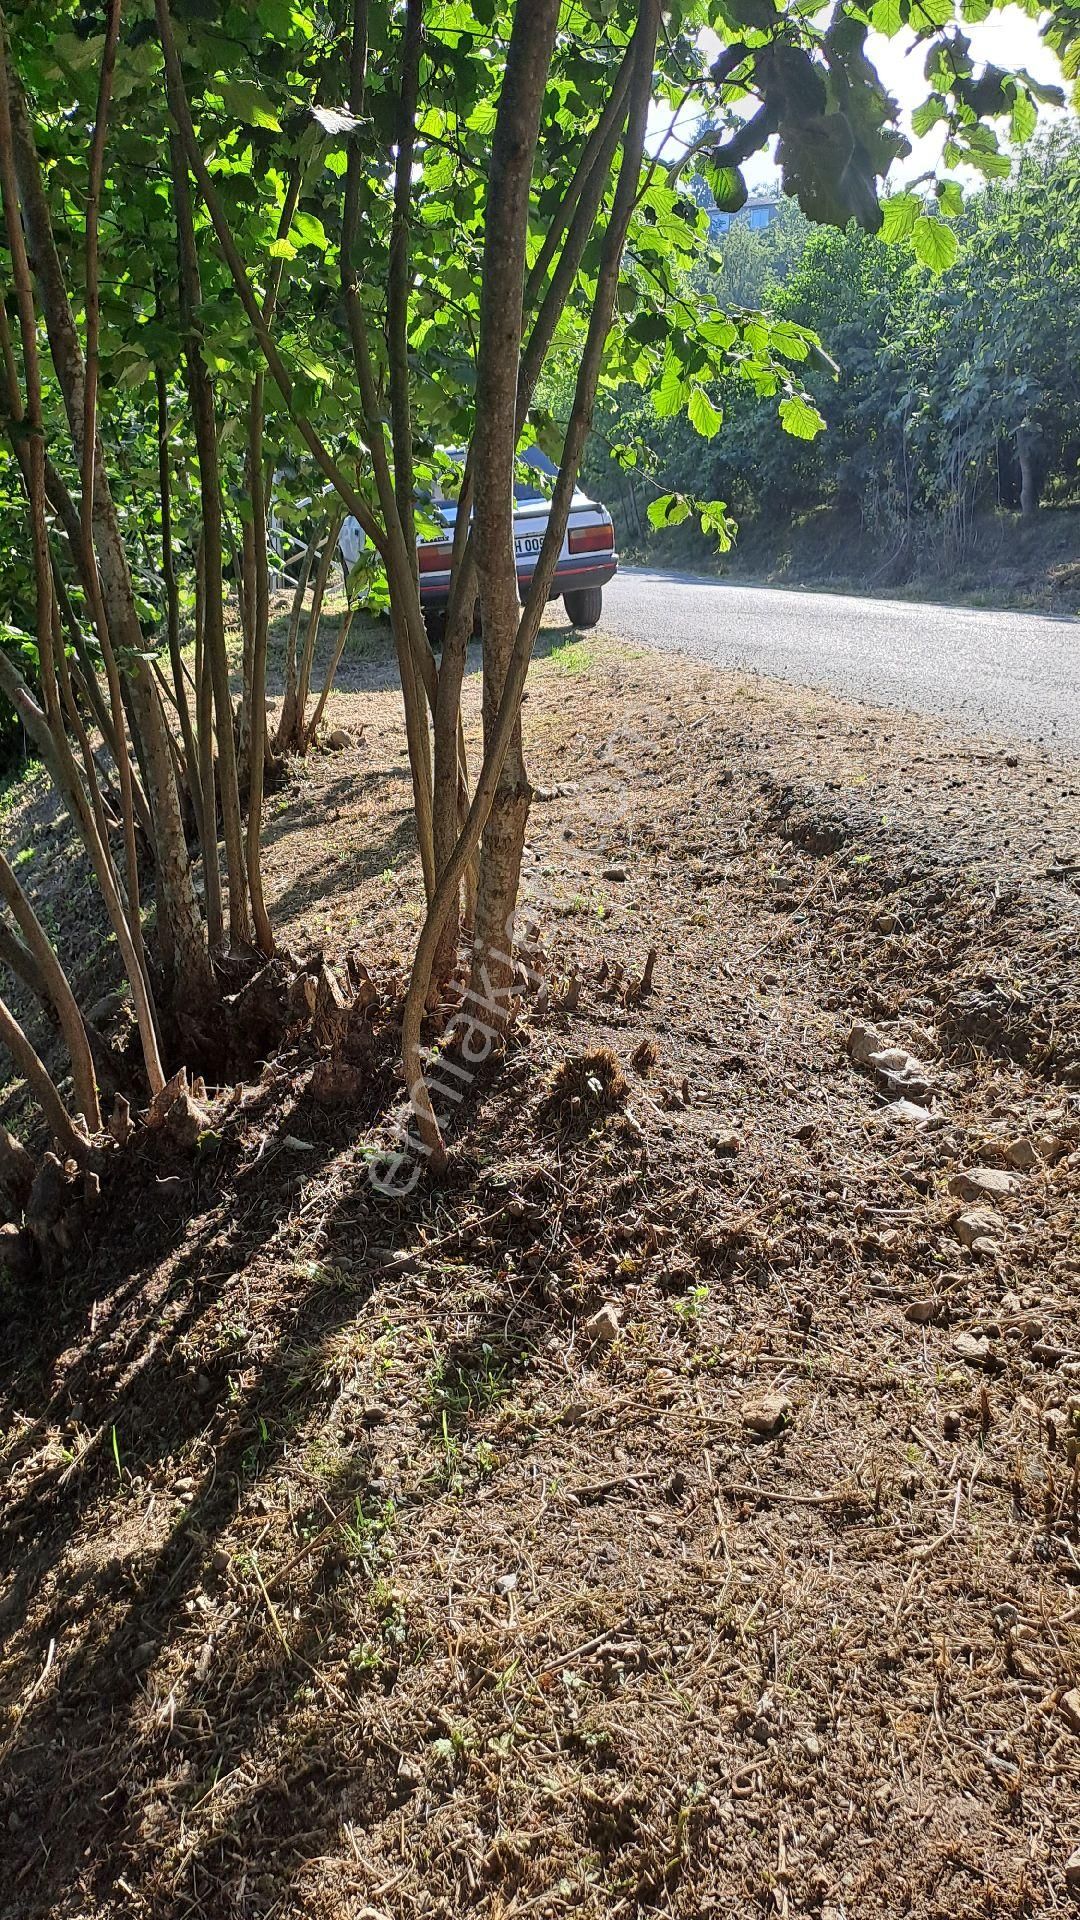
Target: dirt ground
675,1510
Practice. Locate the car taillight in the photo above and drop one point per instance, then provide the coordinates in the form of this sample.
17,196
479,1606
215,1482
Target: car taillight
435,559
591,539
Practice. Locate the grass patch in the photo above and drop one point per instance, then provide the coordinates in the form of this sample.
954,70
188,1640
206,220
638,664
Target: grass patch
572,656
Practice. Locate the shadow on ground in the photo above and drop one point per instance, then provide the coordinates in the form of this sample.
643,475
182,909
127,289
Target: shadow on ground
182,1464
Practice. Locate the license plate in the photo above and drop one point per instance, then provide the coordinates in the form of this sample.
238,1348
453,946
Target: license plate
528,543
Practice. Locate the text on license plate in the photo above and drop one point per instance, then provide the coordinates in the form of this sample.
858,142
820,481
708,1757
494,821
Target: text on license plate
527,543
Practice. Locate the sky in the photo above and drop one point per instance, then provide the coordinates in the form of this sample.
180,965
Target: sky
1009,39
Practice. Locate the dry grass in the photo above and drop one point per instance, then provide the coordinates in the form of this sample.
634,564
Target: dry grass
383,1592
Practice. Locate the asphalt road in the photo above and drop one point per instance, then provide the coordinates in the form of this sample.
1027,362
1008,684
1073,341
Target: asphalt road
1015,675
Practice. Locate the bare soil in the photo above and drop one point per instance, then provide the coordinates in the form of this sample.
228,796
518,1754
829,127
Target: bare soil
348,1571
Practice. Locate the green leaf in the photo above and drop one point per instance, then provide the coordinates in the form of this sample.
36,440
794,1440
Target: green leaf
704,417
1025,117
930,13
673,392
950,199
728,188
935,243
714,518
789,340
887,17
800,417
669,511
719,332
898,216
249,104
307,230
928,113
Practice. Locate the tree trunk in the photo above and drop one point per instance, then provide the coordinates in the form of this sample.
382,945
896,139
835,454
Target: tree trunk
328,683
260,625
477,1024
172,605
55,982
286,727
501,320
185,948
397,291
205,427
311,638
1029,456
42,1086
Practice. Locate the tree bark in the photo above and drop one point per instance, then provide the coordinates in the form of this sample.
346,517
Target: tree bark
54,744
501,320
205,426
260,626
17,956
328,683
1028,457
58,990
71,1142
611,255
416,663
172,604
311,637
286,727
185,948
397,288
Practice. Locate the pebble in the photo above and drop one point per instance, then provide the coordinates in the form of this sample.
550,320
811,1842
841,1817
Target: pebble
614,873
506,1583
1070,1707
921,1311
982,1183
604,1327
972,1347
864,1040
905,1113
768,1415
1047,1353
981,1223
1072,1869
1026,1152
726,1141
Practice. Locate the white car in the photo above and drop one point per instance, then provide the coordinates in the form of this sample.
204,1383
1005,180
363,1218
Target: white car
587,562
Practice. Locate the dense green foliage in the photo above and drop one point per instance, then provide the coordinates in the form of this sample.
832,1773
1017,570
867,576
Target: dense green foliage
942,382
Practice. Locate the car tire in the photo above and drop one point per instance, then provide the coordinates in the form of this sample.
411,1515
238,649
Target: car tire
584,605
435,622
